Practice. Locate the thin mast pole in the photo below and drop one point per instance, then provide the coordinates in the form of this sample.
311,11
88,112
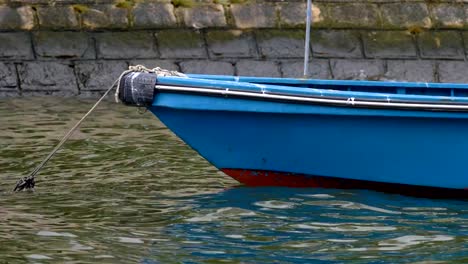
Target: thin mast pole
307,39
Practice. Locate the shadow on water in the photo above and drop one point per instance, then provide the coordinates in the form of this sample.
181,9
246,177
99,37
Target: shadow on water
125,190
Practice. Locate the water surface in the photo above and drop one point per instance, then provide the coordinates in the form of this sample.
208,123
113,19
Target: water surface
124,189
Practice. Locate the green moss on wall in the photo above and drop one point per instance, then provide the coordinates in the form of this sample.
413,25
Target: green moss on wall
415,30
224,35
239,1
289,34
183,39
183,3
127,4
80,9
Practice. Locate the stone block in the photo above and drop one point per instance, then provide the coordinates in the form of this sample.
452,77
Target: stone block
50,2
9,93
448,15
163,64
125,45
18,2
281,43
49,44
411,71
98,75
7,76
258,68
336,43
16,46
318,69
181,44
16,18
443,45
465,40
105,17
453,71
389,44
353,15
47,93
60,2
465,7
407,15
154,15
230,44
207,67
57,17
357,69
293,15
204,16
254,15
47,76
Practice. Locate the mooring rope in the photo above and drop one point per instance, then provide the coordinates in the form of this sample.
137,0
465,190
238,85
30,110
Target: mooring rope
29,181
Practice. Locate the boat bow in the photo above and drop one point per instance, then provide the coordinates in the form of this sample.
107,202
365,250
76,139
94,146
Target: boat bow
294,132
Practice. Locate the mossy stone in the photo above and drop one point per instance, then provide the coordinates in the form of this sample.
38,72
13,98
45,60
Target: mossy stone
389,44
443,44
289,34
405,15
180,44
178,38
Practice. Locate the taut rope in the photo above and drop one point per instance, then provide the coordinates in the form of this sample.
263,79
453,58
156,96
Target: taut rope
28,182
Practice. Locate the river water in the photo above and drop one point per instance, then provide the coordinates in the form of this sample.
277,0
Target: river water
124,189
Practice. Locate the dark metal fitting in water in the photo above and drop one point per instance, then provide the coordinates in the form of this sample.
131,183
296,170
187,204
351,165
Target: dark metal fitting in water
137,88
26,183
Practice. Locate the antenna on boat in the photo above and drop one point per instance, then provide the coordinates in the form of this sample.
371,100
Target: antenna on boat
307,38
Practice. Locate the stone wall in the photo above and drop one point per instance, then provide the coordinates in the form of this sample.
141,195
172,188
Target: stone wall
78,47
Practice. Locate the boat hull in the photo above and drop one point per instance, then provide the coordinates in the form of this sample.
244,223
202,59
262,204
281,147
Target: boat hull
269,178
368,145
315,133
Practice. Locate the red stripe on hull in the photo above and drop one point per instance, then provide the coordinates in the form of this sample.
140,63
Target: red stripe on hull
268,178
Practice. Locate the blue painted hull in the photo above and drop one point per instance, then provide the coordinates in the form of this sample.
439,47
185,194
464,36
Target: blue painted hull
394,146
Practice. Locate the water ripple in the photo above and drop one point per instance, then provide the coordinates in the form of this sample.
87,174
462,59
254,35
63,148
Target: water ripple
124,189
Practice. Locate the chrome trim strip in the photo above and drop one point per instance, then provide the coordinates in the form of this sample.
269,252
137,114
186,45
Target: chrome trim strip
347,102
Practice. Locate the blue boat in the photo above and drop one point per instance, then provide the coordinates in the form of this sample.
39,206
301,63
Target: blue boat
400,137
409,138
